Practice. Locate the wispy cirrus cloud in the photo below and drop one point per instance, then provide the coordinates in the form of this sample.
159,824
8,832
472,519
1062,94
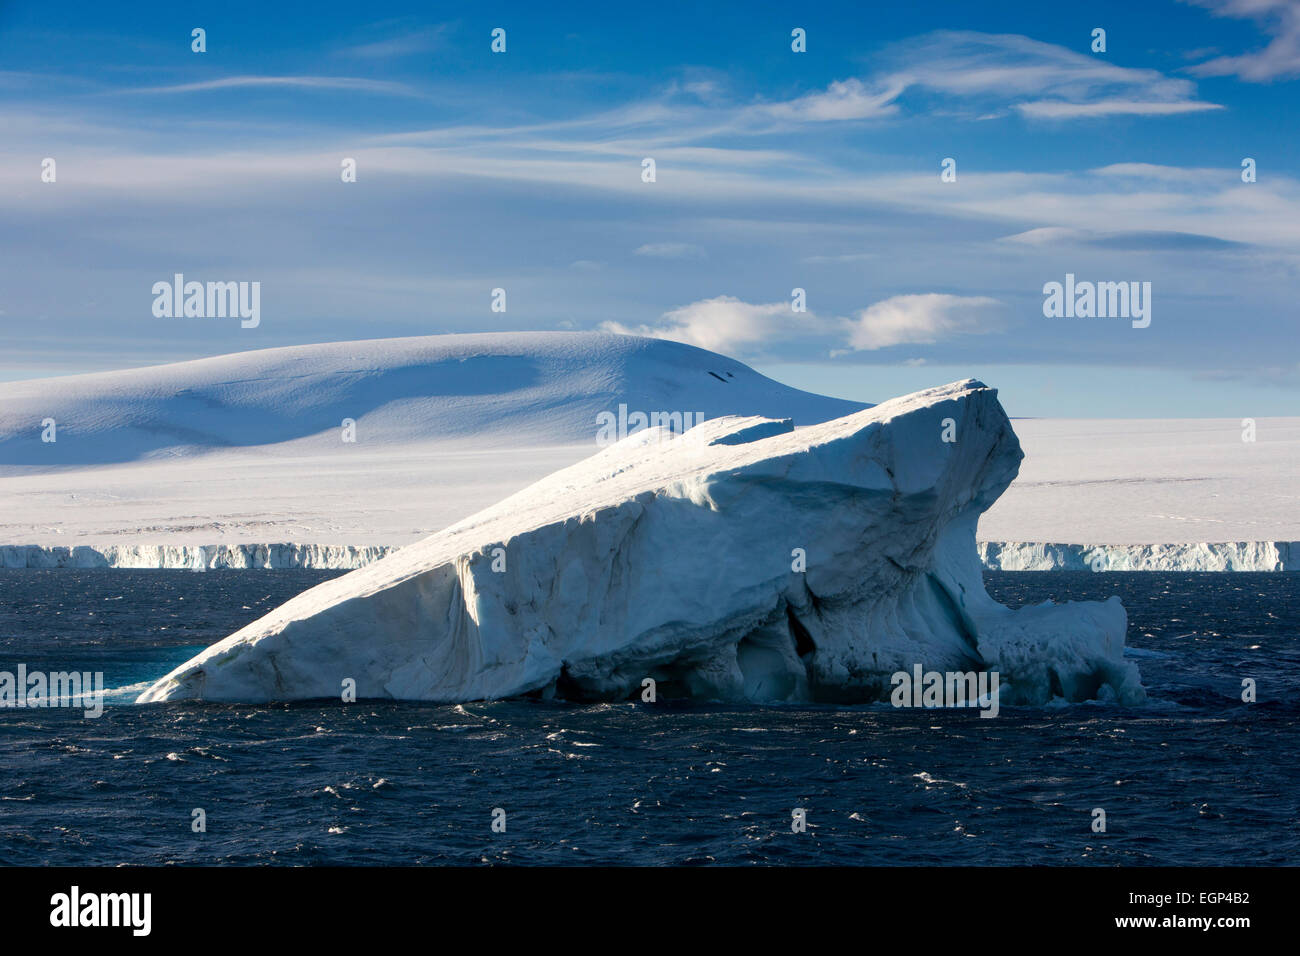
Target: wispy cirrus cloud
1202,201
1138,240
1036,79
401,40
1051,109
841,258
670,250
356,84
849,99
980,75
1280,59
987,75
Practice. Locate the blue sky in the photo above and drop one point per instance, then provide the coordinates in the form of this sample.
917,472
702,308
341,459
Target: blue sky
775,170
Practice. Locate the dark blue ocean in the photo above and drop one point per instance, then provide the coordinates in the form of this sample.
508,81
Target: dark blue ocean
1195,776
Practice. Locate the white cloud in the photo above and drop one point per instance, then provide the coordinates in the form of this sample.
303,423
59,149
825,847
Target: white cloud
298,82
843,100
726,324
989,69
731,326
994,72
407,42
920,320
1055,109
1157,173
1046,234
1138,240
1280,19
846,257
1165,199
670,250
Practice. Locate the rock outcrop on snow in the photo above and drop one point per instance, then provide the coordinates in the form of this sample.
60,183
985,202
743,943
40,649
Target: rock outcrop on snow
744,559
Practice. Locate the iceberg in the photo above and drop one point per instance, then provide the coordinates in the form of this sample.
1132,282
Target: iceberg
744,559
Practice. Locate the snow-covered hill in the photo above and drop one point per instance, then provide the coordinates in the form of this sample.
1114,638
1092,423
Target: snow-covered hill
528,388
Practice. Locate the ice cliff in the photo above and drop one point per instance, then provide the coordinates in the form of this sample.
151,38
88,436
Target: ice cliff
742,560
995,555
194,557
1188,556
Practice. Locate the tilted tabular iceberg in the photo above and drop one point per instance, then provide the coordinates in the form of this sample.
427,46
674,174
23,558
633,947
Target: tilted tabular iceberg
741,560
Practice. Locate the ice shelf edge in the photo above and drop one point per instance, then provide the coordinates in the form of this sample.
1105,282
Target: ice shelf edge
994,555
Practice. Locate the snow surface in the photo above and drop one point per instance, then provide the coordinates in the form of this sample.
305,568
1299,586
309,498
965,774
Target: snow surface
678,558
1152,481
